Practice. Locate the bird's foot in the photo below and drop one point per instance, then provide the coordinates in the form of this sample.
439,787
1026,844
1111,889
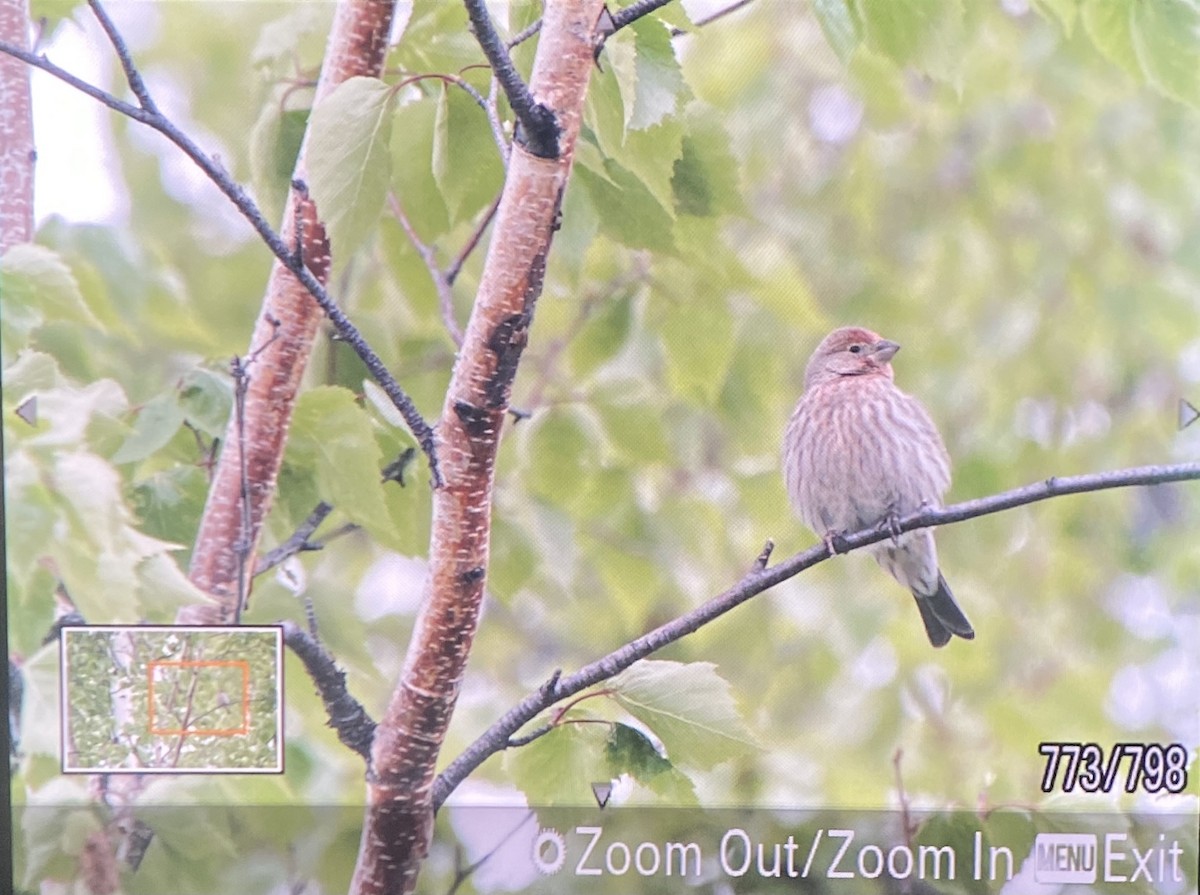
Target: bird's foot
891,524
835,542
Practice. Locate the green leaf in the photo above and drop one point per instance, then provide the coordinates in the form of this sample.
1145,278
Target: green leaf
1109,24
437,38
1167,38
706,176
296,33
466,159
37,286
926,34
1158,41
603,336
604,114
628,211
155,425
688,707
559,448
560,767
169,502
52,12
837,22
348,159
412,147
206,399
274,144
629,751
698,339
1063,11
648,73
333,441
651,154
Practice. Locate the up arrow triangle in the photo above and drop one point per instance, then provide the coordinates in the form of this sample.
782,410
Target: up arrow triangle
1188,413
602,792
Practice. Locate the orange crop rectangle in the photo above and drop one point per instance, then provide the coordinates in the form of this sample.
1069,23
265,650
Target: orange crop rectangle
243,666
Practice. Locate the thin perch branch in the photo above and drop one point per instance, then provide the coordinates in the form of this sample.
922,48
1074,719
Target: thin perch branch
500,735
635,11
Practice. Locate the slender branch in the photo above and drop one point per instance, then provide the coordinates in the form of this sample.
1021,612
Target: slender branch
491,109
299,540
132,75
440,281
540,130
524,34
635,11
151,117
456,267
499,736
712,17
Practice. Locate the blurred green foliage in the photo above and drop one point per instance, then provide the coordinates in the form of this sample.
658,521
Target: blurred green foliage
1007,189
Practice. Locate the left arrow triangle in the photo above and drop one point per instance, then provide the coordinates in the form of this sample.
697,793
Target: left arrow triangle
27,410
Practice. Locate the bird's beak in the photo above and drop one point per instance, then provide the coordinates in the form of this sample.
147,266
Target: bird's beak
884,350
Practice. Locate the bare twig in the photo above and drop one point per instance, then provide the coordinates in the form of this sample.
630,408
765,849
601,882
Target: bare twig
491,109
148,114
500,735
440,282
456,267
524,34
712,17
298,542
241,547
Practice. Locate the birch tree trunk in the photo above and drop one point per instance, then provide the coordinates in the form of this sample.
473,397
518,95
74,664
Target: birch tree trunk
399,815
17,153
278,354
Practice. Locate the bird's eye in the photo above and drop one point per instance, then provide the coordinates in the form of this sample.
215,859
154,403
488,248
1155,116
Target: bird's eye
856,349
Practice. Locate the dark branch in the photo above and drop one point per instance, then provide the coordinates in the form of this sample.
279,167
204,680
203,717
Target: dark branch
635,11
149,115
132,75
500,735
298,542
354,726
539,127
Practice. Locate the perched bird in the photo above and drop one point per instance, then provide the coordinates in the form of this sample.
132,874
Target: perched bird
859,452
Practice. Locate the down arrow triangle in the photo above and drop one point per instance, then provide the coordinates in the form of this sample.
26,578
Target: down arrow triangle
602,792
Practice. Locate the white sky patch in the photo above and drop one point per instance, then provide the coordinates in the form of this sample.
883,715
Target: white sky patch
73,134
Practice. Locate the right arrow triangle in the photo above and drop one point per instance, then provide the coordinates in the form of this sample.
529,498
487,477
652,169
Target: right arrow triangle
1188,413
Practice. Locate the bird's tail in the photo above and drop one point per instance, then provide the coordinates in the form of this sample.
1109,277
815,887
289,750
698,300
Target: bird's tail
942,615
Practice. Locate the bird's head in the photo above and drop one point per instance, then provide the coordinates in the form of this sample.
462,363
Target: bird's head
850,351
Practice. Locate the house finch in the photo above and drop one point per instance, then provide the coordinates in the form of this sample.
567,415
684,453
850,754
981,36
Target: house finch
859,452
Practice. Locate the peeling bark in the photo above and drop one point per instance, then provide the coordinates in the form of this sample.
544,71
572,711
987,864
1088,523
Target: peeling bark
17,154
399,815
278,355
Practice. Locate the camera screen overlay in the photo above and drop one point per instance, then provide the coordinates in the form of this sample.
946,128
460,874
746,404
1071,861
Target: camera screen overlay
721,447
